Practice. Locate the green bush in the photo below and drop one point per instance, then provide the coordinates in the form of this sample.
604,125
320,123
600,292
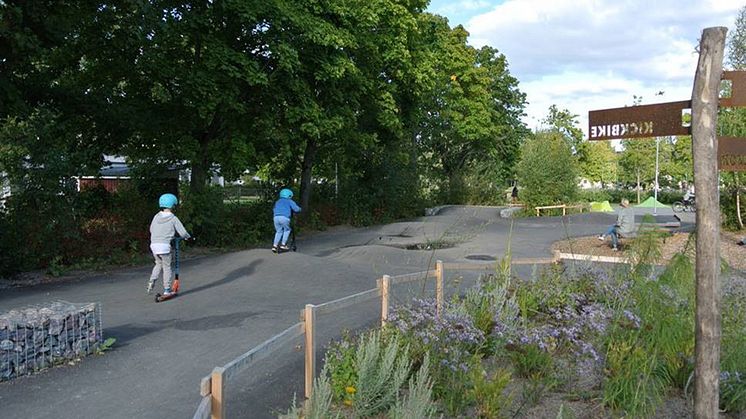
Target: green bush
488,392
547,171
594,195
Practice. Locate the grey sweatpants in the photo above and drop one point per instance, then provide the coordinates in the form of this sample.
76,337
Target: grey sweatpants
162,262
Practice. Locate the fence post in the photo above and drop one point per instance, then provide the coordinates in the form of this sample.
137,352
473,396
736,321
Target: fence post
438,286
704,154
309,319
385,285
218,410
564,210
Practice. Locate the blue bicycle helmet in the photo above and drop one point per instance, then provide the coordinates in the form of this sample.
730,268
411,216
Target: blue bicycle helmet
286,193
168,200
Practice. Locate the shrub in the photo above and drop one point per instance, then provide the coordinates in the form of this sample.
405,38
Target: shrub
733,357
487,392
340,360
594,195
450,340
547,171
319,404
382,368
531,360
648,351
417,403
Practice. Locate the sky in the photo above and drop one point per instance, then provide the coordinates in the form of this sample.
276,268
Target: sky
586,55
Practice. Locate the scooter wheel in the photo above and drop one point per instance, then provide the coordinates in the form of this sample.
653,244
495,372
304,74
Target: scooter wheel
157,298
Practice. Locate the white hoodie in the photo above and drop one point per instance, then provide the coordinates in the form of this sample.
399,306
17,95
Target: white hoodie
163,229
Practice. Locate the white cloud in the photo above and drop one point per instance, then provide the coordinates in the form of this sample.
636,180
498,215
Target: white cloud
595,54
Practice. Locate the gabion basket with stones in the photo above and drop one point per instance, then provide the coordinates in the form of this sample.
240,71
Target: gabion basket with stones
38,337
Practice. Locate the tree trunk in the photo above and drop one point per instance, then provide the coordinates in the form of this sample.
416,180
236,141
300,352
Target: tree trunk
704,152
638,186
309,155
738,200
200,167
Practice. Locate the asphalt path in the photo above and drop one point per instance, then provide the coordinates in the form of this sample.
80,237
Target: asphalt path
232,302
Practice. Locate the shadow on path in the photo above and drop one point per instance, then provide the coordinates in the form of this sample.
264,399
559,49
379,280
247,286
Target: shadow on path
129,332
232,276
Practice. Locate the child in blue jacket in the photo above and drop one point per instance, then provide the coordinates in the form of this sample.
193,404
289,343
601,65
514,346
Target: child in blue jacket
283,210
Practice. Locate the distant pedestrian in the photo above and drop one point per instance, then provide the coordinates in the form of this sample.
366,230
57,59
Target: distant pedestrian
514,193
283,211
625,224
163,228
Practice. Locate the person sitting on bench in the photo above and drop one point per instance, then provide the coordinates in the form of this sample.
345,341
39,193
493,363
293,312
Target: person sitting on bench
625,225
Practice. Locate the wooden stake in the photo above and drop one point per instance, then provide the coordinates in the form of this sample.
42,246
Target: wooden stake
218,410
385,285
438,287
704,151
310,318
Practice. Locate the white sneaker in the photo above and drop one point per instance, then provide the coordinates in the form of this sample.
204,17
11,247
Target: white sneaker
600,237
614,249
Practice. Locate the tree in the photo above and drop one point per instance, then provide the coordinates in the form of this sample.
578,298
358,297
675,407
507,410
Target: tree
597,161
566,123
736,55
732,121
637,162
676,159
472,114
547,170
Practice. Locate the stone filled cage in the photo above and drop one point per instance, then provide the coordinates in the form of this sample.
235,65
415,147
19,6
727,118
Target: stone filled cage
38,337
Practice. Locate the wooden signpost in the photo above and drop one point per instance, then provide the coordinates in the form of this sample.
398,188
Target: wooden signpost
667,119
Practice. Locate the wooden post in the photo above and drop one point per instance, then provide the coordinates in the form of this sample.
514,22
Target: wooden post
537,211
385,285
309,319
704,153
438,287
564,210
218,409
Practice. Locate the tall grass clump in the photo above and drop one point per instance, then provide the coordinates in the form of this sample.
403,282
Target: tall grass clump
732,352
319,404
382,368
651,344
418,400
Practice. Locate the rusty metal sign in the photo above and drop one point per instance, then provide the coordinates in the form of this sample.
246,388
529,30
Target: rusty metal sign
738,89
732,154
643,121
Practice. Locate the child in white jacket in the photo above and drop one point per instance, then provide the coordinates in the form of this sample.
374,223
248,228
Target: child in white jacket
163,228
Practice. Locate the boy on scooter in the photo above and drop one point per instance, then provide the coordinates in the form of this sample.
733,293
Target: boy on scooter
162,230
283,210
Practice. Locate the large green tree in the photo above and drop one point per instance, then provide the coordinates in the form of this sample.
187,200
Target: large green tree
547,170
472,114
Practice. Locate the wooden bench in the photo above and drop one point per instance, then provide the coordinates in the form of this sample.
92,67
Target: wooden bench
563,207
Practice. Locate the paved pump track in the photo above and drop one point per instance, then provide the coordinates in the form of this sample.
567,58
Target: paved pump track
233,302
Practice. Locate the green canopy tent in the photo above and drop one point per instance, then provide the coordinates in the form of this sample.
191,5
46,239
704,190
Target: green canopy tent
602,206
651,202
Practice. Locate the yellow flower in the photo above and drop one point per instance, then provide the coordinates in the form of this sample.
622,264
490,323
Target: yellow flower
348,402
350,390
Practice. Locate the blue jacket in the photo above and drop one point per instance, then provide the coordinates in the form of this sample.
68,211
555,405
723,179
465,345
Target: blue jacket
285,207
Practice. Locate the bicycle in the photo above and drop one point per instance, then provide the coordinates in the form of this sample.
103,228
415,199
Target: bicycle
687,205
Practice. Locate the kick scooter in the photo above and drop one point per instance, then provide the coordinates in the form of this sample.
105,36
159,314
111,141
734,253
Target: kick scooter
174,285
291,244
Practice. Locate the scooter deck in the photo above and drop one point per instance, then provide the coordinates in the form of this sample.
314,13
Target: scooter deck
175,287
160,298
